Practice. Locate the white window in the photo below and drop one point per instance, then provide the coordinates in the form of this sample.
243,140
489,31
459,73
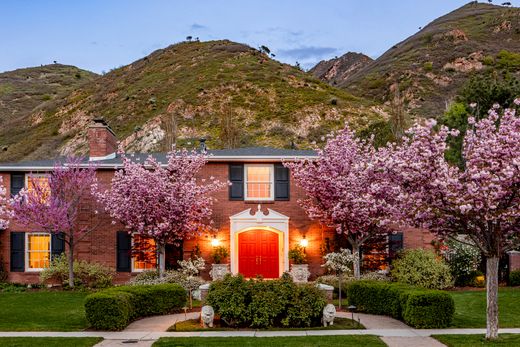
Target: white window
259,182
144,255
37,251
40,181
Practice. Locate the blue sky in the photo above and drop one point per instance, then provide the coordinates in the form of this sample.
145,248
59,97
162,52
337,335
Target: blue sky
99,35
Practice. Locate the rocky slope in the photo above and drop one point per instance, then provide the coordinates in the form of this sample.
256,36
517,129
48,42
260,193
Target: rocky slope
227,92
336,71
426,70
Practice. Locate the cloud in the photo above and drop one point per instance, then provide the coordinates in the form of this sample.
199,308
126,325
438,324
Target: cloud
307,52
196,26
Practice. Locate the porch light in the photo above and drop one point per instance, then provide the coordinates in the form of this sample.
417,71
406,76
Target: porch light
215,242
304,242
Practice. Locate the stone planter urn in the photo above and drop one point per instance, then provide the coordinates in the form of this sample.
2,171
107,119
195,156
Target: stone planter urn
300,273
218,271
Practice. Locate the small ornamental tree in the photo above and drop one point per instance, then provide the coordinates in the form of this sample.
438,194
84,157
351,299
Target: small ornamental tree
346,191
5,211
481,201
164,201
341,263
55,205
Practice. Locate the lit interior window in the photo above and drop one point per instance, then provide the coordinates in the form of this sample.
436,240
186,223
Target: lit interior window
38,251
259,182
40,181
144,255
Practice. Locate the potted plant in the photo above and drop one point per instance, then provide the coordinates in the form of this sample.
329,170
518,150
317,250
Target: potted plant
299,267
219,269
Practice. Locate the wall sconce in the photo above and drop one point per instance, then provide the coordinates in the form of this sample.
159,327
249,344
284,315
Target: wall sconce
215,242
304,242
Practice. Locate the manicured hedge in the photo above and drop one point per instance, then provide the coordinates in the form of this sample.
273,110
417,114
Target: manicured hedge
514,278
419,308
115,308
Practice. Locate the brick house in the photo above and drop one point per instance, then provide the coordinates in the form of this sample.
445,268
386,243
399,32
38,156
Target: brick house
258,218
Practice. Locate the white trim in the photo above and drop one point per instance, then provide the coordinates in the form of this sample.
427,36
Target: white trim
105,157
272,221
27,234
271,182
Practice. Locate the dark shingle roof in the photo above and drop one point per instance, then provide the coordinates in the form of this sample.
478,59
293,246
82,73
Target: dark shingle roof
236,154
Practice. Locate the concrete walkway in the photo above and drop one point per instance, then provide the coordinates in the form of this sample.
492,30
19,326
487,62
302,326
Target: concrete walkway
144,332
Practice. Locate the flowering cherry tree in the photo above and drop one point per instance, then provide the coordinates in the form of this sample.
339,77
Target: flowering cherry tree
481,201
55,205
163,201
5,210
346,191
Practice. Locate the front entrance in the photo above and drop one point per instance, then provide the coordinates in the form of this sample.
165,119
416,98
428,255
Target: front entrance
258,253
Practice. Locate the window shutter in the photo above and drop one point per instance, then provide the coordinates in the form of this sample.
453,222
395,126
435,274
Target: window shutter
17,252
57,245
17,182
281,182
124,254
236,177
395,244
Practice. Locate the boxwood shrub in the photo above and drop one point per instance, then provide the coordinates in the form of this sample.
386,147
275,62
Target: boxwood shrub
263,304
417,307
115,308
514,278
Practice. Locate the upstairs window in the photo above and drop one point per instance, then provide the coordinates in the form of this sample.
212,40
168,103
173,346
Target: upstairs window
144,256
259,182
37,183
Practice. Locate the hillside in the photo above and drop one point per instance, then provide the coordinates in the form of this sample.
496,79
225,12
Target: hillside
337,70
429,67
23,90
227,92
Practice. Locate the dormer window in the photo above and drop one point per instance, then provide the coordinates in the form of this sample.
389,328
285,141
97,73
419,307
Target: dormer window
259,182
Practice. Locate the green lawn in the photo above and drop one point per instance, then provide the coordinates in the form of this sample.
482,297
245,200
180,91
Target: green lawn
504,340
42,311
470,308
195,325
296,341
49,341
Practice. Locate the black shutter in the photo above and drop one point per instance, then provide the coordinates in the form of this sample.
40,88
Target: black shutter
17,182
124,254
395,244
57,245
281,182
236,177
17,252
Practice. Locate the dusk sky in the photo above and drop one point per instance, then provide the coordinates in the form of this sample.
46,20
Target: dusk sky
100,35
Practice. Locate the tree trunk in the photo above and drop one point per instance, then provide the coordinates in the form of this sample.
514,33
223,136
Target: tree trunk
71,266
357,261
340,277
492,297
161,250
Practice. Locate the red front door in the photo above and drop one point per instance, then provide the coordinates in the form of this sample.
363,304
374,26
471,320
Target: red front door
258,253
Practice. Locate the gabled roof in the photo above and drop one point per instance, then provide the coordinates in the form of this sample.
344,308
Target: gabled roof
246,154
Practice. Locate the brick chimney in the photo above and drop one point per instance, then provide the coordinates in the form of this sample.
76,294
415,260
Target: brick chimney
102,141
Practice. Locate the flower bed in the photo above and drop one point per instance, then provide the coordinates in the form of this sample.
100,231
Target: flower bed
419,308
115,308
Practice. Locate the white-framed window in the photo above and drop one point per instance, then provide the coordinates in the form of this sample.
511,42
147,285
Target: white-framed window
259,182
37,251
144,255
40,180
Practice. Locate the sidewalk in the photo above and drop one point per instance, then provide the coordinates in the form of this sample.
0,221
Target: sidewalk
145,331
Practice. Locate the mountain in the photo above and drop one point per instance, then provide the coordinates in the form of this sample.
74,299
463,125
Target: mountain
23,90
229,93
428,68
336,71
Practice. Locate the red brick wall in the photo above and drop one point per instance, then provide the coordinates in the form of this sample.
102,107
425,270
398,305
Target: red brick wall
101,140
514,261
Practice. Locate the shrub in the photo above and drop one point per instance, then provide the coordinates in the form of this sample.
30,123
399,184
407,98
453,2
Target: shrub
170,276
463,260
333,280
297,255
91,275
428,66
508,60
422,268
264,304
514,278
219,254
114,308
419,308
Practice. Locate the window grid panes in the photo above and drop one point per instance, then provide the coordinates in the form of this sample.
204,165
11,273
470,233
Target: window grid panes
259,182
145,256
38,251
41,181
